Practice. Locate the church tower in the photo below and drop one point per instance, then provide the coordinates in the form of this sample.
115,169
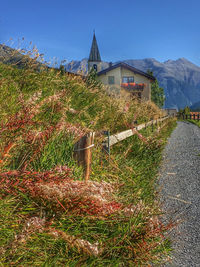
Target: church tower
94,60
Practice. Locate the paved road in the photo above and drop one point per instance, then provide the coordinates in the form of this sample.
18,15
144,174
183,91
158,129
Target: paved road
180,192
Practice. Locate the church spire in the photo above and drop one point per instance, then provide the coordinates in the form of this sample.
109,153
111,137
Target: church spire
94,52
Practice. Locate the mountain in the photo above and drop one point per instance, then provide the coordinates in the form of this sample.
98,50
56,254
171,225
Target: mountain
82,66
12,56
179,78
196,106
9,55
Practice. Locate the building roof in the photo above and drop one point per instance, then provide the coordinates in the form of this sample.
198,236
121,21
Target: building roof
126,66
94,52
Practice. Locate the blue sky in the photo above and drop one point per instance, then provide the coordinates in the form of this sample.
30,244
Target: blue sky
128,29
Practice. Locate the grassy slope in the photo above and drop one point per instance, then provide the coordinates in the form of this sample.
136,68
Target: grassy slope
33,140
195,122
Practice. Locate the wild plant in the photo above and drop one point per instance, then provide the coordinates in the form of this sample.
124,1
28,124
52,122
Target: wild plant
113,219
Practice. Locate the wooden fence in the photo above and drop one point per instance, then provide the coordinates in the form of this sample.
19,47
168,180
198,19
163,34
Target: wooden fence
189,116
125,134
83,148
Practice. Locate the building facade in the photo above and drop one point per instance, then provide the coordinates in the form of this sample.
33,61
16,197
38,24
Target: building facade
121,78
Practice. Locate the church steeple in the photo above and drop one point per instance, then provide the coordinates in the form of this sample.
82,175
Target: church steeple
94,58
94,52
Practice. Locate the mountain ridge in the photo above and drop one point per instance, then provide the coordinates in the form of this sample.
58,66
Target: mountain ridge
180,78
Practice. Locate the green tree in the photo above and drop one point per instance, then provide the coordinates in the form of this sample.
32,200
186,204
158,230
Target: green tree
180,112
186,110
157,92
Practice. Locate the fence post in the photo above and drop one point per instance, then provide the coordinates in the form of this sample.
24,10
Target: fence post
152,126
106,147
83,153
88,154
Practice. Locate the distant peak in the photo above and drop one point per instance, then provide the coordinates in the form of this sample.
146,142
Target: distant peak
168,61
150,59
179,60
183,59
186,62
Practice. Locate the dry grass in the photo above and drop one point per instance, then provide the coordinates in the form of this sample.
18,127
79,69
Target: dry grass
49,215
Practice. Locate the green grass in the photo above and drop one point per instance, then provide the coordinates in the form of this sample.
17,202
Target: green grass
57,151
137,171
39,147
196,122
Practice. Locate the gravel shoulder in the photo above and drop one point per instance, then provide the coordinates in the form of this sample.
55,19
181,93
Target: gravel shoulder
180,193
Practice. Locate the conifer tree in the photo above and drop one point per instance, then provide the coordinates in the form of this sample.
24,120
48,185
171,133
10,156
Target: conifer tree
157,92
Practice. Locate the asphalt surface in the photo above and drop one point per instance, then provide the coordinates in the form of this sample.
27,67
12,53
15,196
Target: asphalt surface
180,193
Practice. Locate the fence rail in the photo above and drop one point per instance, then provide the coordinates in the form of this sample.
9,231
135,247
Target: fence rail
83,148
125,134
189,116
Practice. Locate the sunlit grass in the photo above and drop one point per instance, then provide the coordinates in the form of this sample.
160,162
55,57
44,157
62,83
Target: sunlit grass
46,112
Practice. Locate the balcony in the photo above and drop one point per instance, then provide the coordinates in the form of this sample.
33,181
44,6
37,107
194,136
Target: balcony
133,86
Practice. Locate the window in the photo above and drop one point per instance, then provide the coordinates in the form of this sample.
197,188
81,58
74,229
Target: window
131,79
128,79
125,80
111,79
95,66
